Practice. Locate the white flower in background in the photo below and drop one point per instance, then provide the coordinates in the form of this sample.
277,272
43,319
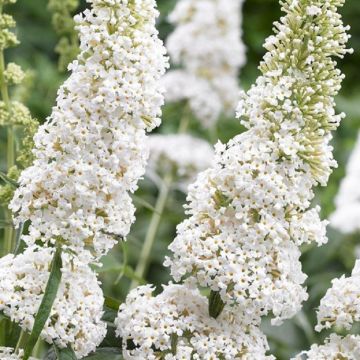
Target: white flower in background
346,217
75,317
176,326
250,211
340,306
180,154
7,353
207,44
91,152
335,348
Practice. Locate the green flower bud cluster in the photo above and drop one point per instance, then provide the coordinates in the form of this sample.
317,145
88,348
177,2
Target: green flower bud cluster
14,116
63,23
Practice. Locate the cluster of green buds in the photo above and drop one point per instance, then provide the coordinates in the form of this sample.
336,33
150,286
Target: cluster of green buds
15,118
64,25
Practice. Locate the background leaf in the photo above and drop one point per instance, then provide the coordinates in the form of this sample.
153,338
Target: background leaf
49,297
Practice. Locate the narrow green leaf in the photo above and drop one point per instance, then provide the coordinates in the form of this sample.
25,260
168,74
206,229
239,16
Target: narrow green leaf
49,297
64,354
7,180
106,353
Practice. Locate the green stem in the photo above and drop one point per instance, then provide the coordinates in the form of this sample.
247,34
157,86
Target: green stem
152,230
10,157
158,212
21,341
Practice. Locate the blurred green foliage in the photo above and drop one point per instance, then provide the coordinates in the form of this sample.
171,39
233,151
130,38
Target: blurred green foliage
36,53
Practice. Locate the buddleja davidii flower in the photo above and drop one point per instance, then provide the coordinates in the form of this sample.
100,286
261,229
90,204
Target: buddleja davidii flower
339,309
346,217
75,317
248,215
300,81
340,306
64,25
175,325
335,348
92,150
207,44
252,207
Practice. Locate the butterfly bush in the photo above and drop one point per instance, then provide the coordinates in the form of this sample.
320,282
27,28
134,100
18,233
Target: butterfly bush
335,348
176,324
182,155
339,309
250,211
92,151
346,217
207,44
75,316
89,156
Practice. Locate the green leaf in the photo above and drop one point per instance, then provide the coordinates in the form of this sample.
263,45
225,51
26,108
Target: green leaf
106,353
109,315
112,303
49,297
64,354
7,180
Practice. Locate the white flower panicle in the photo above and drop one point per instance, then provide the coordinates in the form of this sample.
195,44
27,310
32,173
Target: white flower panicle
335,348
346,217
75,317
181,154
176,326
207,44
91,152
251,211
340,306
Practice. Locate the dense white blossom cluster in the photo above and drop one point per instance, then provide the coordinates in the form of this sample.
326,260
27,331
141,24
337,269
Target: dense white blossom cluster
346,217
76,313
207,44
89,156
251,211
180,154
92,150
176,323
340,306
335,348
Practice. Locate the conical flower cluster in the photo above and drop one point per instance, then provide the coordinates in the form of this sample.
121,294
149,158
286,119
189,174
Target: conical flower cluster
92,151
89,156
250,212
346,217
207,44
